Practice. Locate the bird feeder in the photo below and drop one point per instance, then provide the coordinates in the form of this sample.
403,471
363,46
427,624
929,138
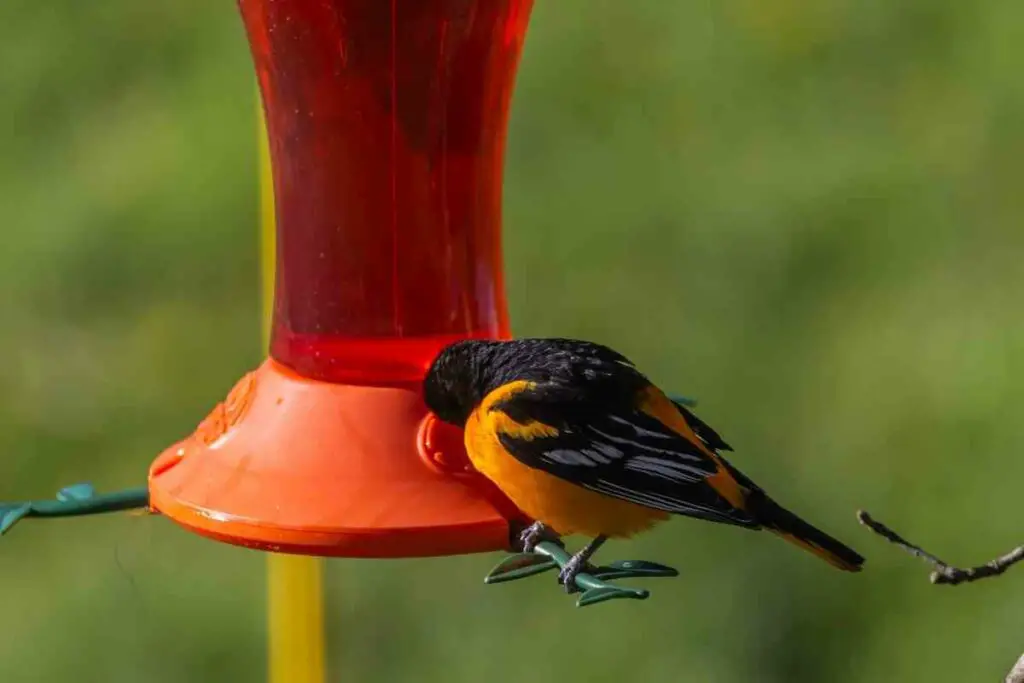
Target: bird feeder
386,123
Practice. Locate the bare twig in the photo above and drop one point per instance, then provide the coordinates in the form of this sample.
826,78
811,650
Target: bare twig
944,572
947,574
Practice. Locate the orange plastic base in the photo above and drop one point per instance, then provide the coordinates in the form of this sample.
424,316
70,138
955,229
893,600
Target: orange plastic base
295,465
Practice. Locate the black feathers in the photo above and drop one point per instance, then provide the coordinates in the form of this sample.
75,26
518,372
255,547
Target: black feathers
708,435
589,395
616,449
465,372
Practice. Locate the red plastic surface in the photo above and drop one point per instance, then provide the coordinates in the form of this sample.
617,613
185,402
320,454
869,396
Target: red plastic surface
386,123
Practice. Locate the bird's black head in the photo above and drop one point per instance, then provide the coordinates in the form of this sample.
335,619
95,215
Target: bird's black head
457,380
464,373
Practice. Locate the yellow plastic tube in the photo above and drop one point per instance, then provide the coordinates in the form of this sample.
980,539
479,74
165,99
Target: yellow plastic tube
295,609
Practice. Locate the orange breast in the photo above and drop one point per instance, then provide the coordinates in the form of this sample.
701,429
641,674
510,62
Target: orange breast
564,506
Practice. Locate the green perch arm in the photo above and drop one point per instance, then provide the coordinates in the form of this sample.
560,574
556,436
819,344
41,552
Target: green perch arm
73,501
547,556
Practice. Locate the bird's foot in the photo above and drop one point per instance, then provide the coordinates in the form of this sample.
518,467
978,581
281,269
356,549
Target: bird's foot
537,533
576,565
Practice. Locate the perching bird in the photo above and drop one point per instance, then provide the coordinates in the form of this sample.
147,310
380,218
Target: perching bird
583,443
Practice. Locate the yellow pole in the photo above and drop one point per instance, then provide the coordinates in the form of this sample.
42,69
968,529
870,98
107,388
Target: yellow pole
295,612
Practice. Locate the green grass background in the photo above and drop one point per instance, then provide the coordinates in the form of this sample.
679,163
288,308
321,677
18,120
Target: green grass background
804,212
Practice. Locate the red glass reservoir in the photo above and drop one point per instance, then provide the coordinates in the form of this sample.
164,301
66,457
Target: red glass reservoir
386,121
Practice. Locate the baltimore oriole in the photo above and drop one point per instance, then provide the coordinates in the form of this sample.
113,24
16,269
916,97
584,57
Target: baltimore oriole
583,443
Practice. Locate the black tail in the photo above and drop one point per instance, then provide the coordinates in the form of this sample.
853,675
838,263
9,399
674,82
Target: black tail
784,523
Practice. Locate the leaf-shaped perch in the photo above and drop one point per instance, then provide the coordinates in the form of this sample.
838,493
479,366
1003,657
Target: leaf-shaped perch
592,584
73,501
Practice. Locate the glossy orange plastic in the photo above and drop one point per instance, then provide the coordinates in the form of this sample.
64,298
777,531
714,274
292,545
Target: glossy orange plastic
386,122
291,464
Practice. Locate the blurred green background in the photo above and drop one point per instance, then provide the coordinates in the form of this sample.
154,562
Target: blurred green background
805,212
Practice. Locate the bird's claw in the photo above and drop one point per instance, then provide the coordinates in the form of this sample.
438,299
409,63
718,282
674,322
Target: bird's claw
573,568
537,533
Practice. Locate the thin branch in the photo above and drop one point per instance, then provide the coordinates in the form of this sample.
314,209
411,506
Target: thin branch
944,572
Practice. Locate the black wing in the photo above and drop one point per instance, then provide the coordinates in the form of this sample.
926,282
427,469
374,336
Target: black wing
708,435
616,450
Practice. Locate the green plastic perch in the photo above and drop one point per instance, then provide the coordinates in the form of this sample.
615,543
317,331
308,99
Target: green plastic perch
73,501
591,582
